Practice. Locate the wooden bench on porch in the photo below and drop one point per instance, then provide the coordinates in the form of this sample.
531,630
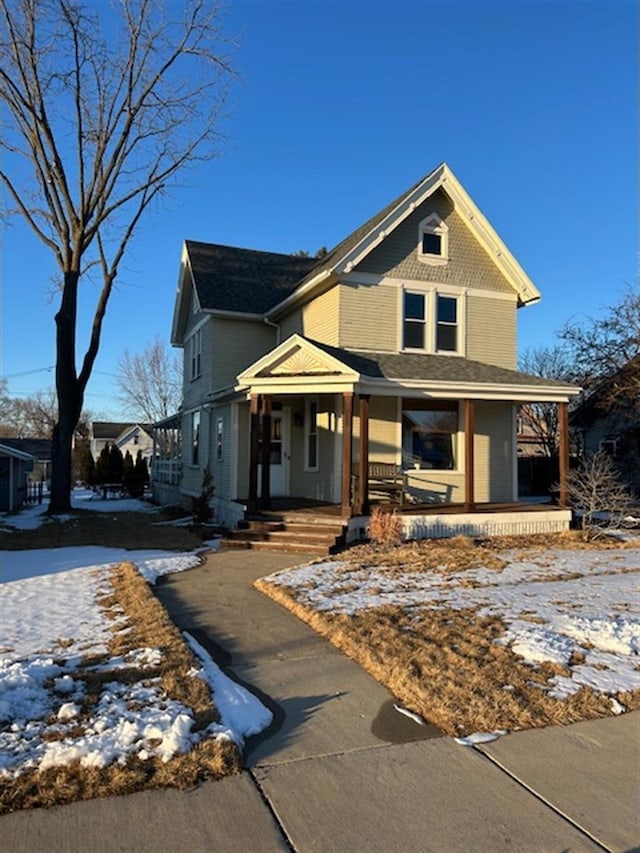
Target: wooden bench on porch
387,480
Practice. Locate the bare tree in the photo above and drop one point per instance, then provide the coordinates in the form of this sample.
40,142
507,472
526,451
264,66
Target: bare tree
541,419
150,382
34,416
103,105
607,349
598,494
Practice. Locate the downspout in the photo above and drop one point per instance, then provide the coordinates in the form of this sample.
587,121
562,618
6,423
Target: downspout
275,326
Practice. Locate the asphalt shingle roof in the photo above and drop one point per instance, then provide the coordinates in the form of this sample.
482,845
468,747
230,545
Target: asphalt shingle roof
246,280
433,368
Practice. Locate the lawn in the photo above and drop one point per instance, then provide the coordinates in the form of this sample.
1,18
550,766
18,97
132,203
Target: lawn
484,636
100,694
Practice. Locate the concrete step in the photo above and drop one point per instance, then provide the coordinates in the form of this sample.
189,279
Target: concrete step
283,545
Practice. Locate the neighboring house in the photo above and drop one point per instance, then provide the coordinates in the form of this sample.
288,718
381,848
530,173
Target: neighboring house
397,347
15,465
40,450
126,436
611,421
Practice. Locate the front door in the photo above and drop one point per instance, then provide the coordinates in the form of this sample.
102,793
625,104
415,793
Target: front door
280,455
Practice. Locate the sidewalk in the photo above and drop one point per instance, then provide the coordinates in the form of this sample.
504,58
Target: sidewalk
340,770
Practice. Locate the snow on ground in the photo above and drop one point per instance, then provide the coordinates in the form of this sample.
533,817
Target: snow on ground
50,622
555,604
32,517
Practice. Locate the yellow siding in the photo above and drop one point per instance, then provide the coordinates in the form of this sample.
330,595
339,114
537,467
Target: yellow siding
369,317
238,343
494,452
491,331
320,318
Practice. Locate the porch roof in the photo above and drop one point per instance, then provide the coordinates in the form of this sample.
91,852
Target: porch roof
302,365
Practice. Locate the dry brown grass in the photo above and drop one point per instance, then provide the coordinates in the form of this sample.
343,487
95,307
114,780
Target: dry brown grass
148,627
445,664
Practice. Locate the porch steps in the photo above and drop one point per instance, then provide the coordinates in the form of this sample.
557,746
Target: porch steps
275,533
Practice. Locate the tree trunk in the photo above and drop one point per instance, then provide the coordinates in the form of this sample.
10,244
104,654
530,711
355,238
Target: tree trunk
70,395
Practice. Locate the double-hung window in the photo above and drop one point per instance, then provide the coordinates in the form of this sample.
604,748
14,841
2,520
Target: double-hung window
446,323
196,354
414,321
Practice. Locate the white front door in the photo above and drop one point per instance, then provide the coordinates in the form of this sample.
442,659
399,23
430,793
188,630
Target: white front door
280,455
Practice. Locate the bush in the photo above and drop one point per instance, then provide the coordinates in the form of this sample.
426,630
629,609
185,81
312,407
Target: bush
385,527
202,504
597,493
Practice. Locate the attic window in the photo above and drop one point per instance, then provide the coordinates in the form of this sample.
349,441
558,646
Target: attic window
433,243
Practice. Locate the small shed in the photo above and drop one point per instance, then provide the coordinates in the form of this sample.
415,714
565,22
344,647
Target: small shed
14,467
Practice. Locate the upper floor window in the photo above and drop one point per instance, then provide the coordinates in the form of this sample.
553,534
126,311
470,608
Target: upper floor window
414,321
196,354
433,322
446,323
433,240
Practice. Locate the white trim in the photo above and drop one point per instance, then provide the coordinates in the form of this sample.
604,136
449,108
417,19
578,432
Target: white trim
433,224
291,345
431,292
448,390
362,278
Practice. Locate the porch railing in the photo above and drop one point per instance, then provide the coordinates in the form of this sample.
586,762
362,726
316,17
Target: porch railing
166,471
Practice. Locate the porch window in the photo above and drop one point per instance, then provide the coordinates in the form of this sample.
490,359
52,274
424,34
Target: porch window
414,320
447,324
195,437
196,354
276,441
311,424
428,435
219,439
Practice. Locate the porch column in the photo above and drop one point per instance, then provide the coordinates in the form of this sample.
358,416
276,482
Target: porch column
469,462
563,453
347,450
254,408
363,468
265,501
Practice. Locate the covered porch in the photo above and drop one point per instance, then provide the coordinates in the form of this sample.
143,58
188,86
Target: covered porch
443,451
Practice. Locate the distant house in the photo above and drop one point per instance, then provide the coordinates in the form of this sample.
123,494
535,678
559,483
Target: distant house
40,450
391,356
611,421
132,437
15,466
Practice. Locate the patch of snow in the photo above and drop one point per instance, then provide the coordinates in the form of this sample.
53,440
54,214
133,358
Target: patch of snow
240,711
479,737
577,608
407,713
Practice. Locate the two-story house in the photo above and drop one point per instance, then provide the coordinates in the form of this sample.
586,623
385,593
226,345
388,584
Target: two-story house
394,353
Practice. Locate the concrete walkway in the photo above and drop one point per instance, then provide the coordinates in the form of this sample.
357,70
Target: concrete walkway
340,770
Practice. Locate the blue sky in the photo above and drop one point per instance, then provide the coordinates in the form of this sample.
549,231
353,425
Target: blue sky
342,105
